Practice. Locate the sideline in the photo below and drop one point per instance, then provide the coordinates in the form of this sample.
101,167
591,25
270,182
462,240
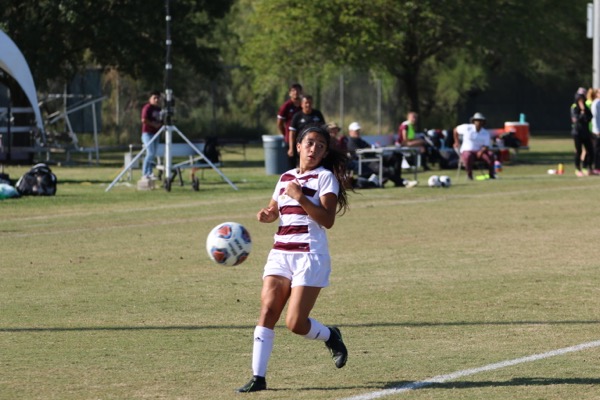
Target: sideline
490,367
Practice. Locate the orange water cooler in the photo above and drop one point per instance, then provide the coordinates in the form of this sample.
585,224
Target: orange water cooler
521,130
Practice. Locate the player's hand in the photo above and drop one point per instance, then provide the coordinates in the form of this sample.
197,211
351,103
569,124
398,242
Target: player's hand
268,214
294,190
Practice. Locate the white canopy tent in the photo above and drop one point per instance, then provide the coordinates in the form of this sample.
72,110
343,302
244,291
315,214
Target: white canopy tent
15,65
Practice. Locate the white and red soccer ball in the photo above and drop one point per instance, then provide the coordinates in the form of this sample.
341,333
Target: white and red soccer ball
229,243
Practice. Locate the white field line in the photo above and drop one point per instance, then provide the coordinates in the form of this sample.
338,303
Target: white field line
459,374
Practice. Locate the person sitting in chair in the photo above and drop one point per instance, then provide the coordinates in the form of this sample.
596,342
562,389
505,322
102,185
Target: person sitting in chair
475,144
392,162
408,137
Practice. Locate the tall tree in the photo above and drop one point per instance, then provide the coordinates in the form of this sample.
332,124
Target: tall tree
59,38
424,44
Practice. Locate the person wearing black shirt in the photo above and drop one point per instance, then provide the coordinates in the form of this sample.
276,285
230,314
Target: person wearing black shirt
306,116
580,131
392,161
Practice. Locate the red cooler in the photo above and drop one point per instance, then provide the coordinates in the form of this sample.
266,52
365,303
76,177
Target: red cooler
521,130
503,155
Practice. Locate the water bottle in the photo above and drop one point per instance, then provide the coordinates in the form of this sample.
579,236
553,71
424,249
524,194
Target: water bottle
497,166
561,169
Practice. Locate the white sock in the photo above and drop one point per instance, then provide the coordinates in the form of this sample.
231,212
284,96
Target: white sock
318,331
261,352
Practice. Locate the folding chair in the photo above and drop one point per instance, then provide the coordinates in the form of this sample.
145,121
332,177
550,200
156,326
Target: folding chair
479,165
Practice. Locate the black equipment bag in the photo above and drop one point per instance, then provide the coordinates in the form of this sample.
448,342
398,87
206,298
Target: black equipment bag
38,181
448,159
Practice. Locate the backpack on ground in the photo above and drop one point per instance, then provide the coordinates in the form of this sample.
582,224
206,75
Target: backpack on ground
448,159
511,140
38,181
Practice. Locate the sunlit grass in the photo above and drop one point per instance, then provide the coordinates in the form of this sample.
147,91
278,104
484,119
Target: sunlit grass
111,295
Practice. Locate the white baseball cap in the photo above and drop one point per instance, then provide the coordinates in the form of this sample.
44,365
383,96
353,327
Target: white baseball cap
477,117
355,126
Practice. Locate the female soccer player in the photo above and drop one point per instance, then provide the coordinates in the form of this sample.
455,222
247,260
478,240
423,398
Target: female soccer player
306,201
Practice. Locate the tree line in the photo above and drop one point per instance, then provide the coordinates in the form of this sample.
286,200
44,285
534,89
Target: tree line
234,59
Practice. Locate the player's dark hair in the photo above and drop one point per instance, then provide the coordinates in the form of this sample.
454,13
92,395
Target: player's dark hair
336,161
155,93
296,86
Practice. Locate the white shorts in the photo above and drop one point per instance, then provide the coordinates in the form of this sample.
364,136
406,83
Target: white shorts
303,269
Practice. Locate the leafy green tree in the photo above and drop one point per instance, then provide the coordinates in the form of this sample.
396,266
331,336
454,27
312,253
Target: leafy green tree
436,50
59,38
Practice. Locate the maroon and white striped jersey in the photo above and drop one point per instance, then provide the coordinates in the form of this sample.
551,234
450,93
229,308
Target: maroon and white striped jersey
297,231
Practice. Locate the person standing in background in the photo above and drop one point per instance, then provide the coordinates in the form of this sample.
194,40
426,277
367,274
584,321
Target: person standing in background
151,123
595,109
284,117
580,131
303,118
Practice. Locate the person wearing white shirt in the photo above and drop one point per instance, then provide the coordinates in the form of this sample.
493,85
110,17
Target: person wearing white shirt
475,144
595,108
306,201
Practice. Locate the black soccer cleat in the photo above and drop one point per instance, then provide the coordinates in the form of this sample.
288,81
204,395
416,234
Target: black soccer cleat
255,384
336,346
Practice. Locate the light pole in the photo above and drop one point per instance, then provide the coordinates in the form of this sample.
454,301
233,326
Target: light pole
593,32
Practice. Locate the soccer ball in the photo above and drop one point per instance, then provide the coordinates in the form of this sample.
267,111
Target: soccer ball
434,181
228,243
445,181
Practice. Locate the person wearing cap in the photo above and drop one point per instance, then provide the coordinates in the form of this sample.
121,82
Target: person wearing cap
392,161
354,141
475,145
286,113
581,116
340,142
306,116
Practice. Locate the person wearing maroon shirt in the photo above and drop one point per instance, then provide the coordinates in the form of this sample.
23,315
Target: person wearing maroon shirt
305,202
151,123
285,114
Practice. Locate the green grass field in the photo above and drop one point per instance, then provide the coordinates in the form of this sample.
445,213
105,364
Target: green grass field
112,296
